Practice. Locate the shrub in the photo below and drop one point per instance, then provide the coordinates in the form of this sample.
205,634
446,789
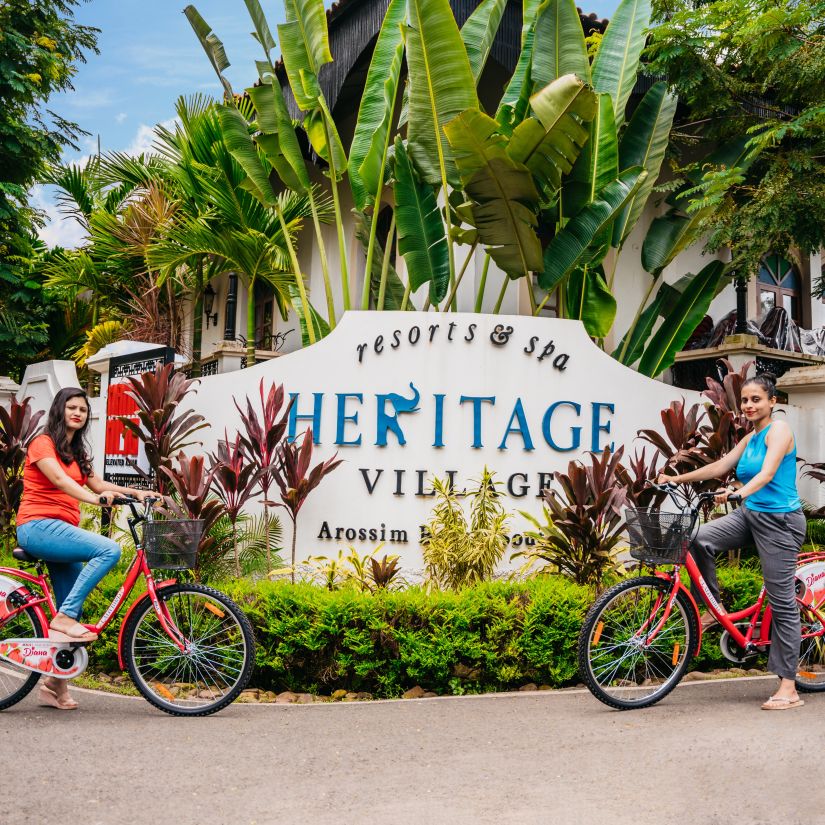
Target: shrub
457,552
493,636
582,521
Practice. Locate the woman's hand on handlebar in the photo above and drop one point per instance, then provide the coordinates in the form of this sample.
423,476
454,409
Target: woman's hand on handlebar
663,478
726,494
107,498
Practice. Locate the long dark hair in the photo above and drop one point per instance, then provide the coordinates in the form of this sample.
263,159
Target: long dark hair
78,448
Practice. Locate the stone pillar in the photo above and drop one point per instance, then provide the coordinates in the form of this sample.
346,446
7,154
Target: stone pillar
8,390
805,387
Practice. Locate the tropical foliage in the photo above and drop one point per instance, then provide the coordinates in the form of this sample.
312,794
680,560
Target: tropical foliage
549,187
459,551
753,68
41,45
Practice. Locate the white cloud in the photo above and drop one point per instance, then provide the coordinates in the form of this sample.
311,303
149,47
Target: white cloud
145,137
58,231
120,117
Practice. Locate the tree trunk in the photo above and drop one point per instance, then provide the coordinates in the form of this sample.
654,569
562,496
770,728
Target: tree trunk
250,324
197,322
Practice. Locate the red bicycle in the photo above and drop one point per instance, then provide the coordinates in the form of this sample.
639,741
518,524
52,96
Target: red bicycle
638,638
188,648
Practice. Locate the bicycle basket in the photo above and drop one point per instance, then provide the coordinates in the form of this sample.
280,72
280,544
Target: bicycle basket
658,538
172,545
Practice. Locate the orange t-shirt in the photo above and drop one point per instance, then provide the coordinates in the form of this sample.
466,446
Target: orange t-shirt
41,499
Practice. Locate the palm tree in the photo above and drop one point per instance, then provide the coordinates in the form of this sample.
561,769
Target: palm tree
219,225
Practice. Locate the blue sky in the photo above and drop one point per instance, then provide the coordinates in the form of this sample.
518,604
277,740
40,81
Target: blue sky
149,57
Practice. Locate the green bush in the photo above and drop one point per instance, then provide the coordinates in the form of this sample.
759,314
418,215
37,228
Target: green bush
494,636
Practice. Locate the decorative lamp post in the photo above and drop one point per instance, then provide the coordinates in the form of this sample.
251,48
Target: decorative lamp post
208,304
741,305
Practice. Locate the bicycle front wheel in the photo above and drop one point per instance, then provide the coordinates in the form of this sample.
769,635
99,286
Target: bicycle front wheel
215,665
625,662
17,682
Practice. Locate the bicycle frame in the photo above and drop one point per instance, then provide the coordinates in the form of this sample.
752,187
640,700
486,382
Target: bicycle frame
758,619
45,608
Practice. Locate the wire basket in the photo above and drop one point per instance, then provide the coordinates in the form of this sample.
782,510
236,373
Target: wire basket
172,545
659,538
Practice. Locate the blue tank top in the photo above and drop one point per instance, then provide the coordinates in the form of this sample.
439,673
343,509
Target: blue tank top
779,495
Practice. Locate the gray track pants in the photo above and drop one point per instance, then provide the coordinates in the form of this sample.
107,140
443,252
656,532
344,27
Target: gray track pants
778,537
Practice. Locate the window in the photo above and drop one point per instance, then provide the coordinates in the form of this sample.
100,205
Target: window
779,285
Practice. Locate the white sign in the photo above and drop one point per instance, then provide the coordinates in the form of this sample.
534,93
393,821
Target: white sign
403,396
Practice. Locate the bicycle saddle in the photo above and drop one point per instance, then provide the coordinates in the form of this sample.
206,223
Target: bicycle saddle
22,556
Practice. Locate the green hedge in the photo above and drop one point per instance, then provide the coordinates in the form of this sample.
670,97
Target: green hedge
496,636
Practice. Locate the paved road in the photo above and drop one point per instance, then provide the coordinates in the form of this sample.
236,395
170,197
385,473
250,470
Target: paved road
698,757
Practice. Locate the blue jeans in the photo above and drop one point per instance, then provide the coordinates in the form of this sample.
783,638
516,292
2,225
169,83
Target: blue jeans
64,547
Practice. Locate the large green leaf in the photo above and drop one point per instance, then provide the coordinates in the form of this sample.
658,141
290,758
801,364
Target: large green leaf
211,44
441,85
630,351
515,101
277,135
323,135
239,144
479,32
369,142
589,299
572,245
559,47
679,324
617,62
262,33
598,163
550,145
305,46
422,238
319,326
643,144
504,197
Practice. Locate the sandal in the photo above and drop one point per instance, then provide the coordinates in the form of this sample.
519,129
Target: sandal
70,631
782,703
50,698
707,620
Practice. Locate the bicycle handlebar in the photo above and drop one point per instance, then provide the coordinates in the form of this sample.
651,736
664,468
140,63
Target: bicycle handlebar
675,493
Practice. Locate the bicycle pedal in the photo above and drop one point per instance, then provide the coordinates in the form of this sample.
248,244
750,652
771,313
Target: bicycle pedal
47,656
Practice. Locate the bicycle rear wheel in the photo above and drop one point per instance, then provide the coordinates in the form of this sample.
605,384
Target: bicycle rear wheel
17,682
619,664
810,672
218,660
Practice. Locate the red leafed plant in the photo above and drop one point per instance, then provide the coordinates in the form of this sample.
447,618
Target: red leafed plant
235,481
583,521
296,481
162,429
18,426
260,438
192,499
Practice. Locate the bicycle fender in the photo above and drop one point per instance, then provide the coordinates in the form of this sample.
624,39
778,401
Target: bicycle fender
695,606
140,600
15,597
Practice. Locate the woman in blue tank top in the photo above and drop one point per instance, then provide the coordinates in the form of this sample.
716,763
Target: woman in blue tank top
770,517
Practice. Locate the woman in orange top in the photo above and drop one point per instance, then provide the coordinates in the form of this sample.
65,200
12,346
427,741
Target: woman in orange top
57,476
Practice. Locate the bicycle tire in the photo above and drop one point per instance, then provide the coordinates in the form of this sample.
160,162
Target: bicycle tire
158,667
596,655
810,676
19,684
